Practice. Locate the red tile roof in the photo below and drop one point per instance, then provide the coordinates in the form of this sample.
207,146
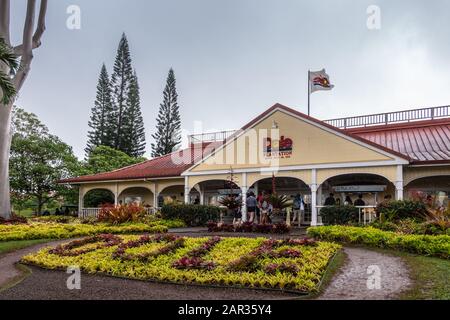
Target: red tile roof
419,142
171,165
425,142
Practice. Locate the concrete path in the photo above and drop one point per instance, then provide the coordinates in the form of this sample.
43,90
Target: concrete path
9,272
368,275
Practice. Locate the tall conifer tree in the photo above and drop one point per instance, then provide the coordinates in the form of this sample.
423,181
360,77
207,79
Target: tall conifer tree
133,130
121,80
168,128
102,122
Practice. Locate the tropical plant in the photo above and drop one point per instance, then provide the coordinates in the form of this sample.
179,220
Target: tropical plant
121,213
278,202
8,58
230,202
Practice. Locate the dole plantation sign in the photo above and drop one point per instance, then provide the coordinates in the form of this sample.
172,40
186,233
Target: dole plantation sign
278,149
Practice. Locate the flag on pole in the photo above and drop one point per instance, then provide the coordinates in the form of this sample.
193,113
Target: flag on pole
319,80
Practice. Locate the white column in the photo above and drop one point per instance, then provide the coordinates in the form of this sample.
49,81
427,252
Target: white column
313,187
116,195
244,190
155,196
187,190
399,183
80,200
202,196
256,188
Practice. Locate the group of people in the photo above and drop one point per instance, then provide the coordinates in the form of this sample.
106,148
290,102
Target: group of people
331,201
260,210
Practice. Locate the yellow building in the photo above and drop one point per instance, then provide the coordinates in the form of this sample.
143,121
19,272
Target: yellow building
394,154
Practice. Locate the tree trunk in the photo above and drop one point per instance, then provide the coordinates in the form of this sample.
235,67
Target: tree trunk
5,147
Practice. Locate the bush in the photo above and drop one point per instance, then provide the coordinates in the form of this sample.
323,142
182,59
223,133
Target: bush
121,214
339,215
36,230
437,246
193,215
15,219
397,210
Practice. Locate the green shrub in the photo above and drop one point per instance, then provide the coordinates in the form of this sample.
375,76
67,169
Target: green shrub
338,215
193,215
397,210
437,246
39,230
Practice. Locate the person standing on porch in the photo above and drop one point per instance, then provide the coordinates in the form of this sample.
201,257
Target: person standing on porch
360,202
260,199
330,201
298,208
251,207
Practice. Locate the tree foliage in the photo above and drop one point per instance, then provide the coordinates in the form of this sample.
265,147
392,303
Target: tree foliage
168,129
102,122
37,161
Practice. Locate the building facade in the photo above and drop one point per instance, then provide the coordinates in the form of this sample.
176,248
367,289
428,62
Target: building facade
397,154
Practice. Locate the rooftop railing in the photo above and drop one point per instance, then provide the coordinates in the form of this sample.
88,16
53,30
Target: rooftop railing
391,117
211,137
350,122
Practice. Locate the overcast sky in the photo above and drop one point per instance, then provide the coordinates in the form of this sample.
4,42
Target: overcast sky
235,58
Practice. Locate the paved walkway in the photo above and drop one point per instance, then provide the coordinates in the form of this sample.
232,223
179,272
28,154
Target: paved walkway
368,275
9,272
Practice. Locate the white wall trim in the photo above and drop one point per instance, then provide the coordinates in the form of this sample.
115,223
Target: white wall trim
297,168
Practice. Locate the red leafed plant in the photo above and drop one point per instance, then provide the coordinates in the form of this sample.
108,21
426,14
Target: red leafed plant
282,267
121,214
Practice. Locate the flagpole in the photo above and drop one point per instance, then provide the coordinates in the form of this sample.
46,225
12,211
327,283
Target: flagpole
309,93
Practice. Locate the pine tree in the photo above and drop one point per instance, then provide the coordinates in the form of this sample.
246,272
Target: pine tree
102,122
133,123
168,129
120,82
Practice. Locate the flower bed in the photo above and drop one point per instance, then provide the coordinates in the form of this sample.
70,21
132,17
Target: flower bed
297,265
36,230
437,246
246,227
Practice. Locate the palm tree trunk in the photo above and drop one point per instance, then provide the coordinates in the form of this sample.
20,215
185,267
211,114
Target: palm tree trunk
5,147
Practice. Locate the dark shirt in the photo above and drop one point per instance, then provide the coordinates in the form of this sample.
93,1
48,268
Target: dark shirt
360,203
330,201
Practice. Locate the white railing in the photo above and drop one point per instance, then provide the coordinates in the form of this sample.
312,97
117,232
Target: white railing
93,212
391,117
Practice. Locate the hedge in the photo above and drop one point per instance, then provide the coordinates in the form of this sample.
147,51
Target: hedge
34,231
193,215
436,246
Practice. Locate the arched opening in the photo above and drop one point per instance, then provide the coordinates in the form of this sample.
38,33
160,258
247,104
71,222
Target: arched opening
289,187
436,186
97,197
213,190
136,195
371,188
171,195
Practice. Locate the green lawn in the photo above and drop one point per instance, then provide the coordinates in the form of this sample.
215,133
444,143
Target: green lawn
10,246
431,277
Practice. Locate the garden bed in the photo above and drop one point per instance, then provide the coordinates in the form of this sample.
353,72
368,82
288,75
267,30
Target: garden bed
296,265
39,230
434,246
